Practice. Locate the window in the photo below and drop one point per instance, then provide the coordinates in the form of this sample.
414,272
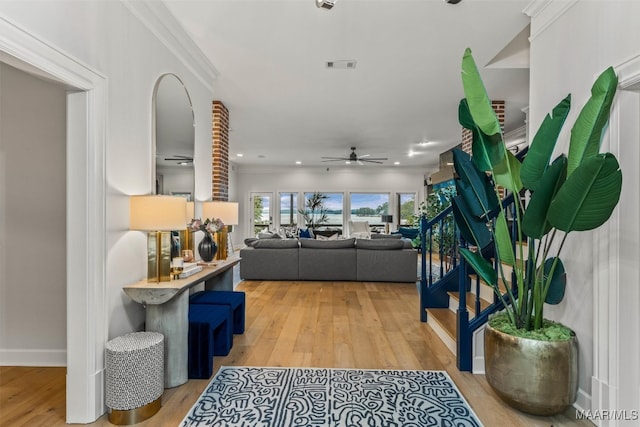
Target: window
323,209
369,207
288,209
406,207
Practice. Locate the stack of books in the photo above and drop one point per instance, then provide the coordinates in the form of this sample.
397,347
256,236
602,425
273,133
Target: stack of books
189,269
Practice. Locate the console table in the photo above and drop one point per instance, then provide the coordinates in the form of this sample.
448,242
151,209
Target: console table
167,311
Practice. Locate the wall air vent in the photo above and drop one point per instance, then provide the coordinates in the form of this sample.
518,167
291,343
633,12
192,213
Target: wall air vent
346,64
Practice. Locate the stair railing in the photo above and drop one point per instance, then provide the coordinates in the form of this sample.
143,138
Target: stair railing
434,294
441,230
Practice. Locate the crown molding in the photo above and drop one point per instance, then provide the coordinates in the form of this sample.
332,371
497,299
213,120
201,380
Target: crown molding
546,12
159,20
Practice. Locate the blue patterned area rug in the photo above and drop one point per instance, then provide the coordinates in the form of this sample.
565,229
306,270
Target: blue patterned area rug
284,397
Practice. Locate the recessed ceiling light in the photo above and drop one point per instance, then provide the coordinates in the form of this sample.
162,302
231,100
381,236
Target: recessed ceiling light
347,162
423,143
411,153
239,155
396,163
298,162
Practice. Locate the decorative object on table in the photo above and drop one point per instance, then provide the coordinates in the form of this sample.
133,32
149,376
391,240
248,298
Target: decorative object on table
207,247
189,269
227,212
387,219
177,266
157,215
239,396
575,192
134,376
187,255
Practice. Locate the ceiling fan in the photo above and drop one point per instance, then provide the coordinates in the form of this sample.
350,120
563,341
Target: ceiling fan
353,157
182,160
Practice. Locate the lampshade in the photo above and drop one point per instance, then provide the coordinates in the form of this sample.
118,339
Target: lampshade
190,212
387,218
155,212
226,211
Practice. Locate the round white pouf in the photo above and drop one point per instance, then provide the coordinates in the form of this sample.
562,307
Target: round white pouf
135,376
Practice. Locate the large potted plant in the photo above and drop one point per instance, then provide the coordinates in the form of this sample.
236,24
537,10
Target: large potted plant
529,361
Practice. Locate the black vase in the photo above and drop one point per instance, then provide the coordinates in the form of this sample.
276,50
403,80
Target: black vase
207,247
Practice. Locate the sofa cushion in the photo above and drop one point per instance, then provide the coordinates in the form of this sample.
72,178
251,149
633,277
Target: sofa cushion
249,241
275,244
328,244
385,236
380,244
268,235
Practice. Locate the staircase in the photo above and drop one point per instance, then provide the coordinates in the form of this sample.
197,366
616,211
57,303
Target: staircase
455,301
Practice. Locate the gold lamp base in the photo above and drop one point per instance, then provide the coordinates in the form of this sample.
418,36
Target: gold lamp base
159,256
221,237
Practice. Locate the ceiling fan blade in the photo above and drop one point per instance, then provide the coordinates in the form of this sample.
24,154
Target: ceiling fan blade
372,161
374,158
332,159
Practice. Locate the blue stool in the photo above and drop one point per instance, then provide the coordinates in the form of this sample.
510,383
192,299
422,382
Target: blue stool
210,334
235,300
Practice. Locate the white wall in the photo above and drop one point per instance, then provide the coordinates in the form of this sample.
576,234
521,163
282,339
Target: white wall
571,44
32,220
110,38
333,180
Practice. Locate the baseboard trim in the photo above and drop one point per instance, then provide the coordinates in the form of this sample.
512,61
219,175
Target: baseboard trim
583,401
24,357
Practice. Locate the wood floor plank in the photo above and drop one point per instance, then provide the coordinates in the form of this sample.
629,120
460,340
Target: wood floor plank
316,324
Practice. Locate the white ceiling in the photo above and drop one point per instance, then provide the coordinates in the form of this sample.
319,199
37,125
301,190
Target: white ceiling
286,105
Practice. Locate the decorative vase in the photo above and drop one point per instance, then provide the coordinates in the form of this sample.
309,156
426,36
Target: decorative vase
536,377
207,247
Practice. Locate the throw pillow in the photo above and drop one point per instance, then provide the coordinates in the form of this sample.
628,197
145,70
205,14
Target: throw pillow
306,233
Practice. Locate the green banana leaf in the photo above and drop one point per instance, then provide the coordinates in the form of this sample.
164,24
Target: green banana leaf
534,221
479,103
507,173
537,160
555,293
487,150
586,133
503,241
589,195
481,266
465,191
473,229
477,181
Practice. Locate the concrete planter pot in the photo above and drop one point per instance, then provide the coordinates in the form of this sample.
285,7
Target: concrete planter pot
536,377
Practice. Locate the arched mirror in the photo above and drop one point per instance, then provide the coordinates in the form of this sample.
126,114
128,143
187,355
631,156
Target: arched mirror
174,140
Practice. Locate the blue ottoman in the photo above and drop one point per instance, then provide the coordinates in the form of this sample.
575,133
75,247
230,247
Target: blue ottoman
210,334
235,300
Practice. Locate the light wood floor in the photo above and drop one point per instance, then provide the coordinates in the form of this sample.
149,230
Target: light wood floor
297,324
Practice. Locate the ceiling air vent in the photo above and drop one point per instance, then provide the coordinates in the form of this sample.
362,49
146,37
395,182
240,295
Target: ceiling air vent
325,4
346,64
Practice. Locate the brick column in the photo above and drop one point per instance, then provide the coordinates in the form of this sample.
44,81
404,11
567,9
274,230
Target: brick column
220,159
467,136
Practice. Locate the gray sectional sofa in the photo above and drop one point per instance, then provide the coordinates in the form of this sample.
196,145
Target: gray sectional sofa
379,260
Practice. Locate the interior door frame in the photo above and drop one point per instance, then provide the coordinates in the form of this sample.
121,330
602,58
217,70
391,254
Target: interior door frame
86,224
